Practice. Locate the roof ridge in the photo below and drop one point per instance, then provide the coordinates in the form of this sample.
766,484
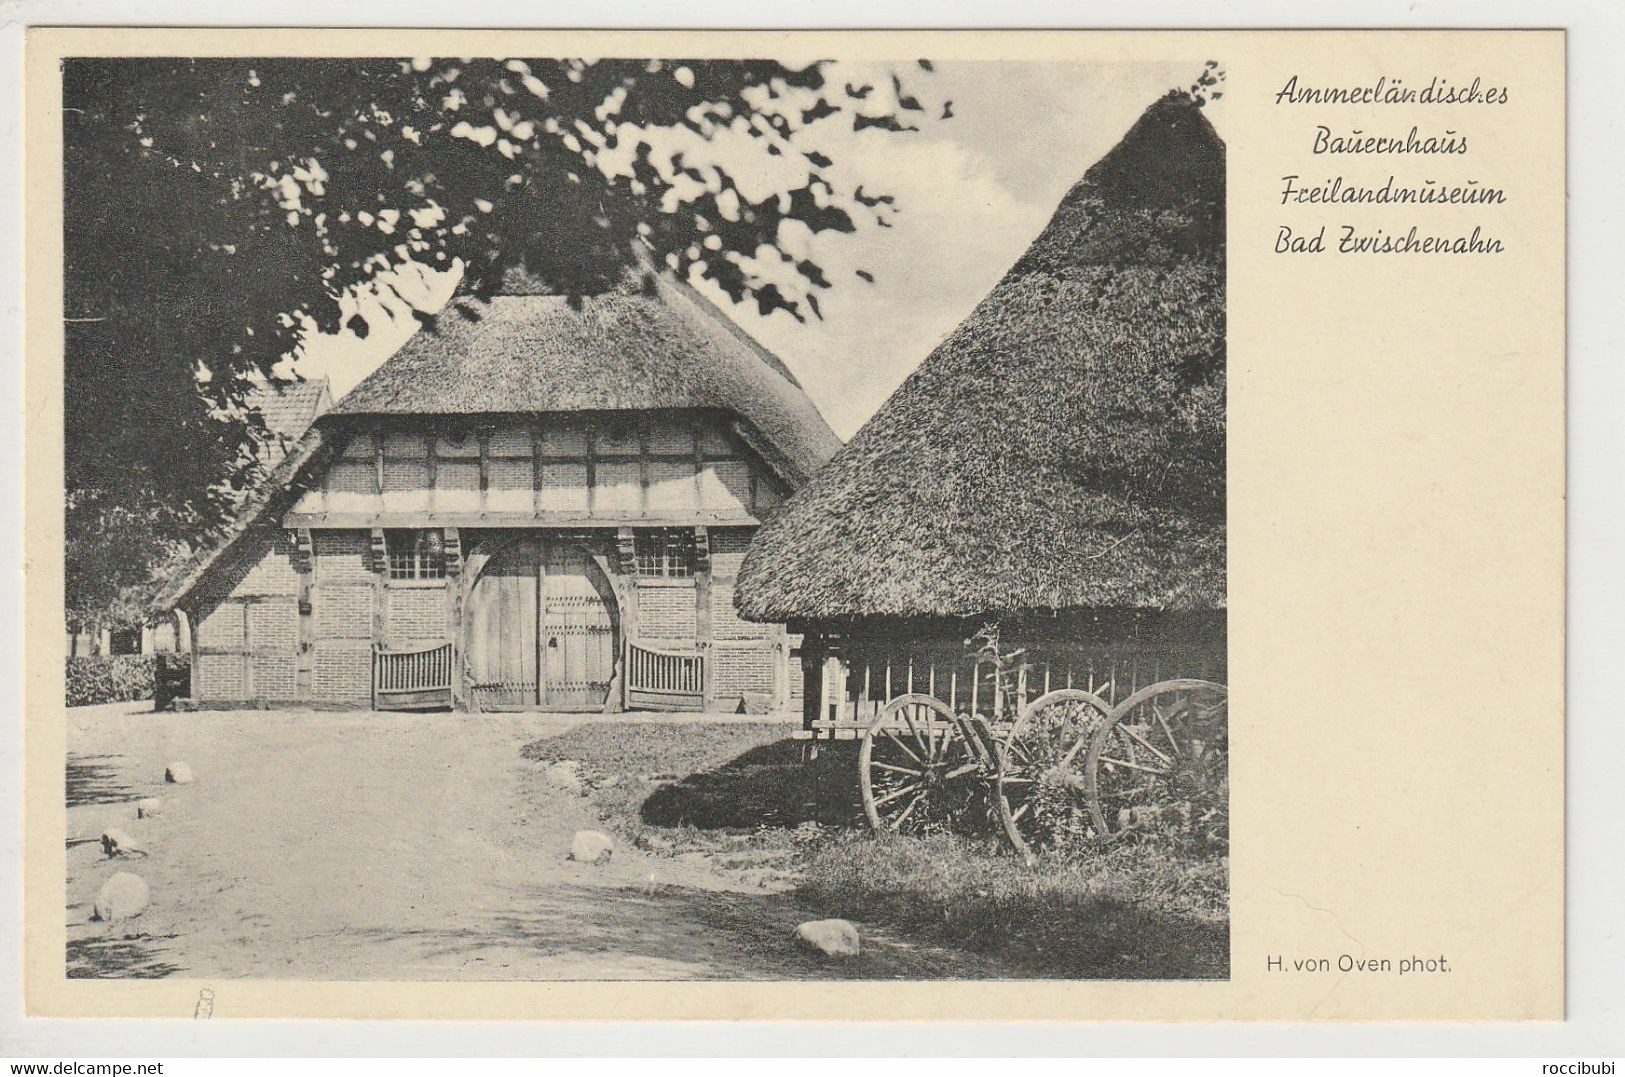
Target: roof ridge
667,282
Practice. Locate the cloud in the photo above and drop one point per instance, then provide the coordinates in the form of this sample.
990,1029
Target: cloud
955,233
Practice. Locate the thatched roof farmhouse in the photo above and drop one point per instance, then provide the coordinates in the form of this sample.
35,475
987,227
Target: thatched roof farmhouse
539,503
1062,452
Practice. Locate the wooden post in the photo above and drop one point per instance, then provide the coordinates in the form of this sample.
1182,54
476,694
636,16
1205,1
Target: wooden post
191,649
249,689
452,545
380,604
304,661
813,653
536,469
591,438
837,673
863,693
698,434
432,471
626,580
627,563
183,632
703,632
474,560
485,468
643,472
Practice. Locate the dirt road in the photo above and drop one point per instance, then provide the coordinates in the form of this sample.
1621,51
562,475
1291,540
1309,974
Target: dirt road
372,846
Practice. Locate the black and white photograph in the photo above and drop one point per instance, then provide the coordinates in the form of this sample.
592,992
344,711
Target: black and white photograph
550,518
640,538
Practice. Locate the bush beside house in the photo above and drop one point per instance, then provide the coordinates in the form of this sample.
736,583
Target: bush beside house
109,678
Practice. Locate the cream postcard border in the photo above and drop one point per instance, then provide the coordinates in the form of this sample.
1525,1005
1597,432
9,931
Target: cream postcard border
1396,564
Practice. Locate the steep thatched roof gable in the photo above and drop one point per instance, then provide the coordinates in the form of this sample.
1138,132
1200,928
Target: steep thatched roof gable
651,344
1064,446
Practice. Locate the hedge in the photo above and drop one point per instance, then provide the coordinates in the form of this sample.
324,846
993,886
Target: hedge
109,679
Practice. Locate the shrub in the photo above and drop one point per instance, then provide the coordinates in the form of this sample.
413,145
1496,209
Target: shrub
109,679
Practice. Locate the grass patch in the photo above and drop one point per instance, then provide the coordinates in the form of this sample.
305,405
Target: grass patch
739,792
1128,912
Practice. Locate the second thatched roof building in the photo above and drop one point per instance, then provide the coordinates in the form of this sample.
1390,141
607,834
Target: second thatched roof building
1056,465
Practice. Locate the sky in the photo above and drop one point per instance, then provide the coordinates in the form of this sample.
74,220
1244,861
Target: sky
972,192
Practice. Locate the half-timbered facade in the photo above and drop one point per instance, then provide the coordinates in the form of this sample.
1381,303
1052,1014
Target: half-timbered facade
539,505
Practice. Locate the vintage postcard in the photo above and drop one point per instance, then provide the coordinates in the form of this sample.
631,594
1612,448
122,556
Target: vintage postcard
624,525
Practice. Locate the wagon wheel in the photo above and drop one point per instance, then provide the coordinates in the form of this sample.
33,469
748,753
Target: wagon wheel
1160,763
1043,800
919,768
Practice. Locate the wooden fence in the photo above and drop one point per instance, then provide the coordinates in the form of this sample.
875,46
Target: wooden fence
860,681
664,678
412,680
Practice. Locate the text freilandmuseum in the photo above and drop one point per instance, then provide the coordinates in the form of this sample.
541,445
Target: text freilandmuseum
1338,191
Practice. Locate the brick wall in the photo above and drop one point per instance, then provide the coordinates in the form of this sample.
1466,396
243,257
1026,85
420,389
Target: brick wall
343,670
341,555
341,602
739,669
272,676
273,624
730,542
725,486
273,573
416,615
249,638
667,611
512,481
342,611
726,622
222,626
220,676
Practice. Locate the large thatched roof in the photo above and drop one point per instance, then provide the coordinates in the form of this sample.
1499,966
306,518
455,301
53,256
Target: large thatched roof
652,344
1063,448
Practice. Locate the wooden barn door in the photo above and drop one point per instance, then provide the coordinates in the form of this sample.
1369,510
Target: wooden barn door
502,621
578,631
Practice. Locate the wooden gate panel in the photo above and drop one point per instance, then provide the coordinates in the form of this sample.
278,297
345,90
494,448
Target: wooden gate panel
502,619
578,631
664,679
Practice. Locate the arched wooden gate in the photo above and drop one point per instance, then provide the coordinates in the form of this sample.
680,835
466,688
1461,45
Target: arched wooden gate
541,627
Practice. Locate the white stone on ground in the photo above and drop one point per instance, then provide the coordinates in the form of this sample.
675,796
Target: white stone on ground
178,773
118,843
121,897
832,938
592,847
566,775
147,807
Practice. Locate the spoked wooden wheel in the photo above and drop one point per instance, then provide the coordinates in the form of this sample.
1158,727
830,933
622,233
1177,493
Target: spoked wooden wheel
919,768
1160,764
1043,800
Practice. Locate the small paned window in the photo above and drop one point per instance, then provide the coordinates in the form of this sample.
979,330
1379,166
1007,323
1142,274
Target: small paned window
666,552
416,555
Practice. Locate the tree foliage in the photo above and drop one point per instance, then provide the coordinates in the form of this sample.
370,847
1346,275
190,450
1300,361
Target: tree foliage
218,209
